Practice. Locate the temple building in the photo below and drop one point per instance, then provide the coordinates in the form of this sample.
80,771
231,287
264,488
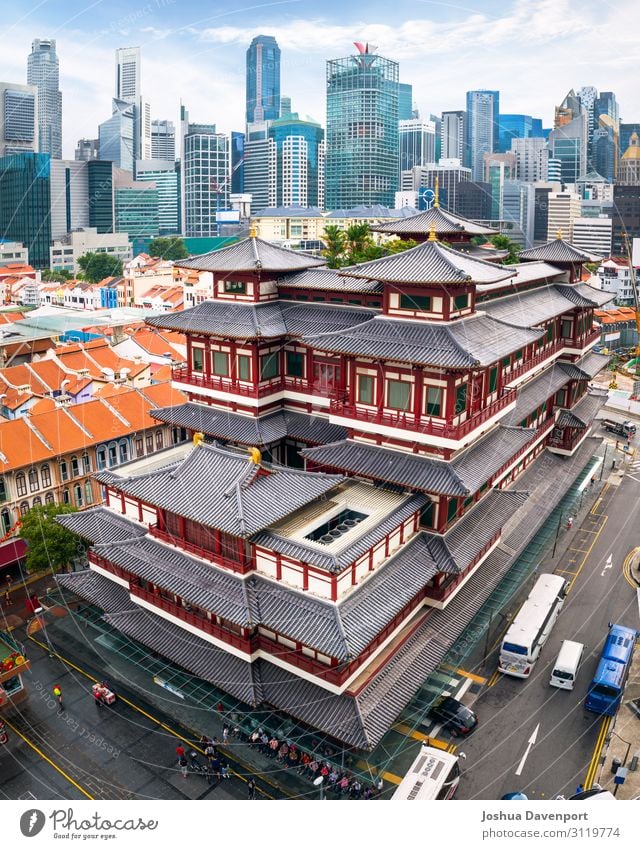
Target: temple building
359,441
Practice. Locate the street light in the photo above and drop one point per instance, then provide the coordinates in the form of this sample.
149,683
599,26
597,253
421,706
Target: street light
319,782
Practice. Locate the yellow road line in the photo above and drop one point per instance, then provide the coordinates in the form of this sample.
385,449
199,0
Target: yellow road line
595,758
565,572
494,678
626,567
418,735
158,722
49,761
580,550
388,776
589,550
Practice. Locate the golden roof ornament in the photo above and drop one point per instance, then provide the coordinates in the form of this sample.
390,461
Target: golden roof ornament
432,234
198,439
436,198
253,232
559,234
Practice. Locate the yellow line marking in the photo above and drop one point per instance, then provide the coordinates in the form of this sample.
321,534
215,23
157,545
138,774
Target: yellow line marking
49,761
494,678
595,758
580,550
160,724
477,678
626,567
565,572
388,776
452,748
589,550
587,531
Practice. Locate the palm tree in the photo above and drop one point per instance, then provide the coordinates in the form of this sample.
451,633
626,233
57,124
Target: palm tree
334,239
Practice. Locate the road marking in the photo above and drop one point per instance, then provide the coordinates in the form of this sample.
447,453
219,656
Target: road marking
48,760
595,758
418,735
565,571
494,678
589,550
530,746
608,564
581,550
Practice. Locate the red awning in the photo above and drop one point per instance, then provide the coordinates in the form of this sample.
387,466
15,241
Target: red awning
12,551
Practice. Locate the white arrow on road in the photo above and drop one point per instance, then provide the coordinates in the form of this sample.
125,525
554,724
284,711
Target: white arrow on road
608,564
530,745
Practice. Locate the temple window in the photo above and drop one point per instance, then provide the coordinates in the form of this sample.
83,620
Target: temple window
415,302
365,389
434,401
244,367
461,398
398,394
237,287
220,363
493,379
197,359
269,366
461,302
295,363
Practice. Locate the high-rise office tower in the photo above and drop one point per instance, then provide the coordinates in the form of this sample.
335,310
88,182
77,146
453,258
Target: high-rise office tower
483,109
626,218
568,141
237,162
626,131
296,157
263,79
405,102
417,143
629,170
163,140
448,172
532,159
163,174
205,176
587,97
362,150
87,149
18,118
44,73
117,136
453,135
128,74
605,146
517,127
25,203
259,167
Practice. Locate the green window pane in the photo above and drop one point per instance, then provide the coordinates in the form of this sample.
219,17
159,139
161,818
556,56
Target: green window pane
269,366
550,333
493,379
452,509
237,286
427,514
415,302
461,398
197,359
244,367
461,301
295,363
434,401
365,389
399,394
518,355
506,362
220,363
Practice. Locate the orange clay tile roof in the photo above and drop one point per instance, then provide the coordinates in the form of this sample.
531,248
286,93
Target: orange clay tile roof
10,317
19,446
616,315
22,376
49,372
44,405
156,343
164,395
96,356
16,268
162,375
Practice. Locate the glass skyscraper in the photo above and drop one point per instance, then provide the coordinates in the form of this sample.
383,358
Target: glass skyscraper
117,136
263,79
405,102
163,173
43,72
362,152
483,109
205,176
517,127
25,203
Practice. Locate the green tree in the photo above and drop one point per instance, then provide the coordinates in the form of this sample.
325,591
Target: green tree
49,545
334,240
504,243
171,247
56,276
96,266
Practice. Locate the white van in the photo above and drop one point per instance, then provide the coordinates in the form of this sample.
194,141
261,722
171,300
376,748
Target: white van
565,669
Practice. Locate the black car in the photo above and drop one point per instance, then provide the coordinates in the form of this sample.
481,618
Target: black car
453,715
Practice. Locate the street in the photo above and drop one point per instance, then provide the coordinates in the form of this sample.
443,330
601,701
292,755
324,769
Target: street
86,751
512,710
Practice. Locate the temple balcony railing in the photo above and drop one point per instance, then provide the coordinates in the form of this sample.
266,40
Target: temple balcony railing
182,374
423,424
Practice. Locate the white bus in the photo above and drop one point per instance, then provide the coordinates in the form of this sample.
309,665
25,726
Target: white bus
434,774
533,623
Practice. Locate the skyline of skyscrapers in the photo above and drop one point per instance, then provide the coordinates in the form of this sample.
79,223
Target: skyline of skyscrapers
483,109
43,71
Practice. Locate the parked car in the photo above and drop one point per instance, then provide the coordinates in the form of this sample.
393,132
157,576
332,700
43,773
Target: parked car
453,715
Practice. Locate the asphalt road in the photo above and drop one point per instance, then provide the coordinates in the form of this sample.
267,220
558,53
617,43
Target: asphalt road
85,751
513,709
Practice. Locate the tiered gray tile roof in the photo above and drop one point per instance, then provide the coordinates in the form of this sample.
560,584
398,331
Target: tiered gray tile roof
251,255
526,309
195,581
270,320
99,524
97,590
584,295
251,430
220,488
525,272
584,412
460,477
195,654
586,368
443,222
537,391
329,280
430,262
559,251
478,340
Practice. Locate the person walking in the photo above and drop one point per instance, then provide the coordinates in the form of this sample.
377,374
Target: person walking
7,595
251,789
225,735
180,751
97,697
182,762
57,694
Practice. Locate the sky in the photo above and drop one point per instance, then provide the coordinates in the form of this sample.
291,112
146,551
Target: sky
532,51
